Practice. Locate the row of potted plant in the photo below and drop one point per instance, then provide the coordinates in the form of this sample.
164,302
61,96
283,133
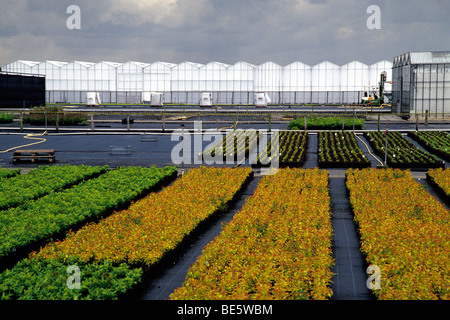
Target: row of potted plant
290,150
440,179
401,153
277,247
154,225
71,279
340,149
437,142
43,180
236,145
404,231
326,123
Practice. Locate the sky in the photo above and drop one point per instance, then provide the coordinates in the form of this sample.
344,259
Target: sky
228,31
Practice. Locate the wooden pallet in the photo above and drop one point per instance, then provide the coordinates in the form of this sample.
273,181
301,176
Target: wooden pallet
33,155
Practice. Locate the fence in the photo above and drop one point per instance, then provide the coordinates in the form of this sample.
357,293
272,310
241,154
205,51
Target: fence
150,120
219,97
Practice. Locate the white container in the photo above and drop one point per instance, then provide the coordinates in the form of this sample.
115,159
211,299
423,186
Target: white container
93,99
146,97
206,99
155,99
262,99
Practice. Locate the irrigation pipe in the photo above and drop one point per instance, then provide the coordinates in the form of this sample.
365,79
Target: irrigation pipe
230,127
240,163
31,136
368,149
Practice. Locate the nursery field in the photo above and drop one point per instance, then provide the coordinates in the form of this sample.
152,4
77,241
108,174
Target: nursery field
120,224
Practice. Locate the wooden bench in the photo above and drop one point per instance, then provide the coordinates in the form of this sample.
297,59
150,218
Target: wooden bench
33,155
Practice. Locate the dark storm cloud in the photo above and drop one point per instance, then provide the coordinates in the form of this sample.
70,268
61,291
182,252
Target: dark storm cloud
282,31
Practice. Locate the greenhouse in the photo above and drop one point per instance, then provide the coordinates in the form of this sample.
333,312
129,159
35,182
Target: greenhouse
421,83
184,83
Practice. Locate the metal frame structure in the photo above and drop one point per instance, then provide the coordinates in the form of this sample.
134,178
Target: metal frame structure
421,83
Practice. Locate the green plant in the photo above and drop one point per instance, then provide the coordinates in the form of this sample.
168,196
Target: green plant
437,142
55,114
401,153
39,279
340,149
41,181
8,173
6,117
325,123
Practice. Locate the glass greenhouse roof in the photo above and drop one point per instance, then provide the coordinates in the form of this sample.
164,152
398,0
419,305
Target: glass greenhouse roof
425,57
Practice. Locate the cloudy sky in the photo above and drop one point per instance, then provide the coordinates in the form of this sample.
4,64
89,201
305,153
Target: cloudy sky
255,31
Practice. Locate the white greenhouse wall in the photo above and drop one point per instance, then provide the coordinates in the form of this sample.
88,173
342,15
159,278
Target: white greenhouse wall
268,77
104,76
240,77
354,76
325,83
213,77
296,77
130,76
157,77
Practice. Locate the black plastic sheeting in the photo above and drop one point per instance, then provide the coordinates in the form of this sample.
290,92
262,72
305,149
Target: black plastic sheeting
94,149
349,282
